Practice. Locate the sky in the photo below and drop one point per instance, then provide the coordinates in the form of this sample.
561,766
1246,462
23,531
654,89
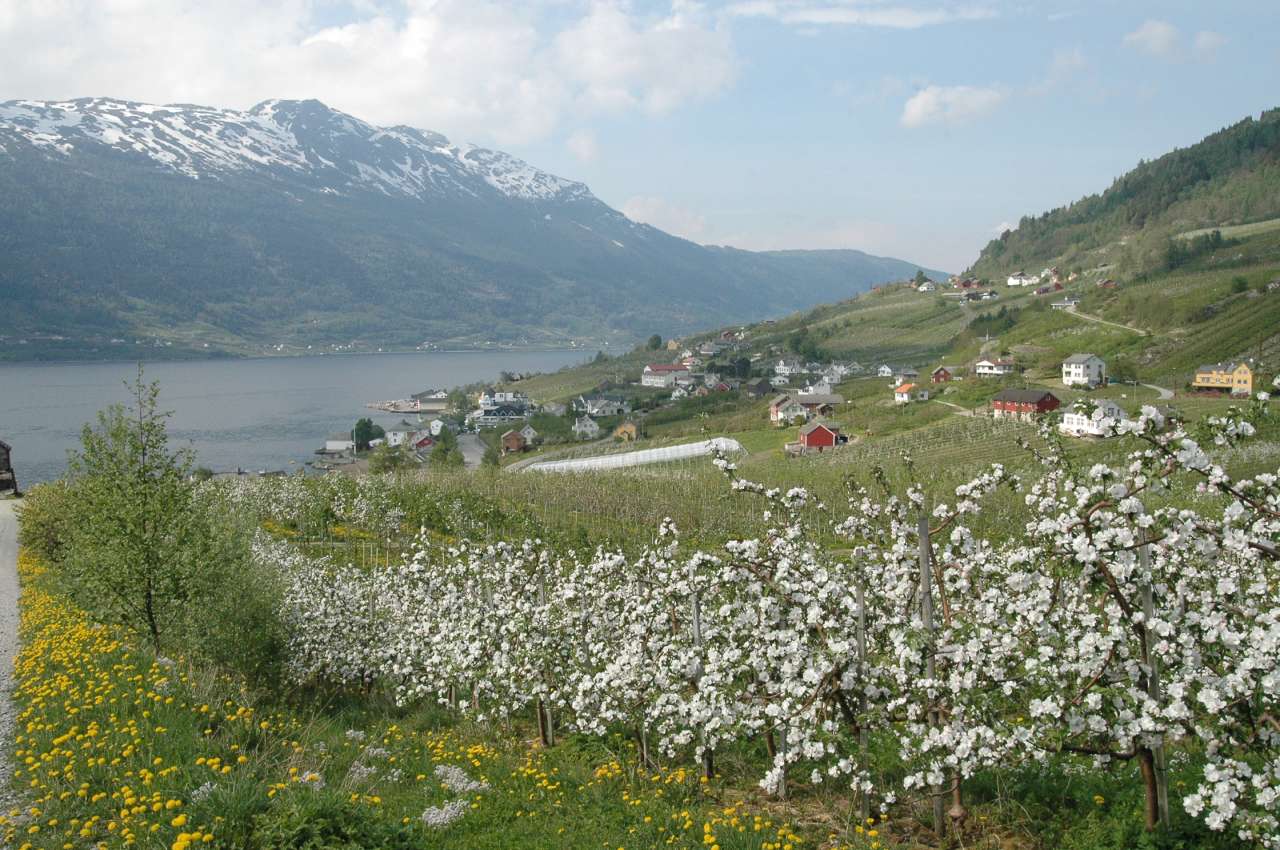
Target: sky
911,128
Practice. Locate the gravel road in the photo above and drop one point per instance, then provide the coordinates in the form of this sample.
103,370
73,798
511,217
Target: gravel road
8,639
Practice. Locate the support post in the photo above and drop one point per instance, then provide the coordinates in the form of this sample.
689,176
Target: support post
708,760
865,804
930,648
1160,763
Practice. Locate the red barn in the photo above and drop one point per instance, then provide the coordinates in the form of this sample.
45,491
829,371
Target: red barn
1023,404
940,375
819,435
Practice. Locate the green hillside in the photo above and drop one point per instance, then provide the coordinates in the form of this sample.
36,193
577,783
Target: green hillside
1231,177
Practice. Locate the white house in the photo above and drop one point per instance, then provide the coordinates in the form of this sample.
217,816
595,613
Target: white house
401,433
820,387
339,443
907,393
993,368
1084,370
1065,304
785,410
787,368
927,286
1021,278
585,428
1082,422
662,374
884,371
528,433
436,426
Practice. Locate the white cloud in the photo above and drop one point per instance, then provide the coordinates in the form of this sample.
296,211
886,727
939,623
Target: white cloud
582,144
667,216
949,105
1155,38
617,61
869,13
471,68
1207,43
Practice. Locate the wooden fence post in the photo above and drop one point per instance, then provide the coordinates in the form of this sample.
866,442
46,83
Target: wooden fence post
930,648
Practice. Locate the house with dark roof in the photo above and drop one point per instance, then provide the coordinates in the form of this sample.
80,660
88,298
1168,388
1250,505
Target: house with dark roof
1023,404
819,434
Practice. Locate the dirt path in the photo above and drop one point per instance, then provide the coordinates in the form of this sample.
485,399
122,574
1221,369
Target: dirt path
1074,312
8,637
1165,394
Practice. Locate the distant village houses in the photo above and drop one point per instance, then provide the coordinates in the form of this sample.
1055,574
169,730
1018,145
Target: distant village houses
1234,377
994,368
907,393
662,374
1084,370
941,375
1085,420
1023,404
586,428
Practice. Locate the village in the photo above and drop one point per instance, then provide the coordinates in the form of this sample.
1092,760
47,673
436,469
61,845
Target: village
683,389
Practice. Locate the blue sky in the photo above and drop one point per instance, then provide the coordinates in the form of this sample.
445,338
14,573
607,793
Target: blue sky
913,129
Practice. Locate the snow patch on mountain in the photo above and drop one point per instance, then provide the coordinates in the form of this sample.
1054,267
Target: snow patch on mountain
338,152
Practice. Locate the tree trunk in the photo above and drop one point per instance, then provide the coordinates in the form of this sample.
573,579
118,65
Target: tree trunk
1147,764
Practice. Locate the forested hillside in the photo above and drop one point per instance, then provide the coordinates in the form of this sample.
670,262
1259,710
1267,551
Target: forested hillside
1231,177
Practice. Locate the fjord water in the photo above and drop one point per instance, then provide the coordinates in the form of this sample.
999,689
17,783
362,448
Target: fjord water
264,413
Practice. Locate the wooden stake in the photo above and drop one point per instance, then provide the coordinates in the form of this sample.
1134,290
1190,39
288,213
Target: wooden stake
1159,761
926,616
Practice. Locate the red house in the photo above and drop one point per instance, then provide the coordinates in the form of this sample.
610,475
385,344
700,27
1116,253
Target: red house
819,435
940,375
1023,404
512,442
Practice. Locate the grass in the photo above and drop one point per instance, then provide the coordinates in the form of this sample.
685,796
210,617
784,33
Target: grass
1235,231
119,748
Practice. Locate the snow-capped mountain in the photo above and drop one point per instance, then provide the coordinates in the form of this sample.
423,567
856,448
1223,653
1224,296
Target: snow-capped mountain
340,153
295,224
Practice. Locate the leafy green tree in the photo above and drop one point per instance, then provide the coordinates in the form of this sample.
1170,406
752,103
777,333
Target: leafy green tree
491,456
137,553
1239,284
365,432
446,452
389,458
920,277
654,343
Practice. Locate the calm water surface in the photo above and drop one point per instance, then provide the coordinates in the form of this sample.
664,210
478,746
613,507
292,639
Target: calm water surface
252,414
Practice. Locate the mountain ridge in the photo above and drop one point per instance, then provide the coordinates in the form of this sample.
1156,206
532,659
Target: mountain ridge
292,225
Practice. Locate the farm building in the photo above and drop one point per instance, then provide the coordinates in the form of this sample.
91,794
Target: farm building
662,374
942,375
1023,404
1234,377
1084,370
512,442
819,435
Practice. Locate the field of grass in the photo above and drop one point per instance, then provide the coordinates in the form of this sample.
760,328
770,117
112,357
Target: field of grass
1236,231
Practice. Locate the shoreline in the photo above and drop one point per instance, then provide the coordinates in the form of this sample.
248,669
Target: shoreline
242,358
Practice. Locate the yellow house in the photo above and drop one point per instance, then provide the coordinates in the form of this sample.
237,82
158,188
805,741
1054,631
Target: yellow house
1236,378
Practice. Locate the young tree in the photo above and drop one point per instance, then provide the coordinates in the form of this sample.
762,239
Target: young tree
137,554
654,343
365,432
491,457
389,458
